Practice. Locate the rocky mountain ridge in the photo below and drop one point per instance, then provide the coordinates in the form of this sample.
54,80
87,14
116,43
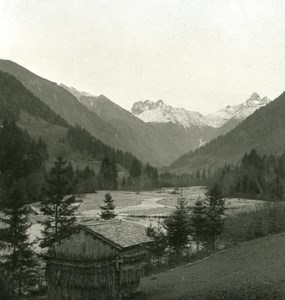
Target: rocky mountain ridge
159,112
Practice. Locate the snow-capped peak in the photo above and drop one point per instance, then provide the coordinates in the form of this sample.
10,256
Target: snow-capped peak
237,112
159,112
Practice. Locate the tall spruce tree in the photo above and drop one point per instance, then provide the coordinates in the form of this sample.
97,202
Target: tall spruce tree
57,206
108,208
177,226
198,222
214,212
20,262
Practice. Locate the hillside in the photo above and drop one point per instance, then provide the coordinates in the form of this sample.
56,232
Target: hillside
264,130
251,270
19,104
64,104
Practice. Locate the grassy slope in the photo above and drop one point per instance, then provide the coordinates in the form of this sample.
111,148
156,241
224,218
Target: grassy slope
256,263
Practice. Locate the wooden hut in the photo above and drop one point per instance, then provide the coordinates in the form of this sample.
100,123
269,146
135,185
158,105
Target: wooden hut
103,260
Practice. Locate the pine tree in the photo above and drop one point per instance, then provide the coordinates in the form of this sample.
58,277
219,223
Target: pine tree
57,206
198,222
20,261
214,212
108,208
177,226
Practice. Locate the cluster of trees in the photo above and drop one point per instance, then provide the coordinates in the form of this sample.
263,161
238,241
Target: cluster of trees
182,180
21,161
21,266
23,179
256,177
201,225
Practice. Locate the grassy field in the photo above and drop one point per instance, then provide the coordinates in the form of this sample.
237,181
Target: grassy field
251,270
146,206
155,202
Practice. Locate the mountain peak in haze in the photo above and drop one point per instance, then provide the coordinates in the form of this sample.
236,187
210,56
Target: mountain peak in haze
159,112
236,112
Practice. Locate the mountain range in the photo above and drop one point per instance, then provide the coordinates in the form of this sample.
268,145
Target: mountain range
159,112
152,131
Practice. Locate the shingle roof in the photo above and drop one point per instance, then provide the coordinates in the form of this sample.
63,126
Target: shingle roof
121,233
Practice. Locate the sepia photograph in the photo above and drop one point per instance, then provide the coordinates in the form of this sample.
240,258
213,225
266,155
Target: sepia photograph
142,150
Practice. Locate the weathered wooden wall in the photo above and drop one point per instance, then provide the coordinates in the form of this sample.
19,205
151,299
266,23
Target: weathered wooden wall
82,244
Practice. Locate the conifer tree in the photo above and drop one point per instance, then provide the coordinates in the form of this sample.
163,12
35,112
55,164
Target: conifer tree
57,206
20,261
198,222
177,226
108,208
214,212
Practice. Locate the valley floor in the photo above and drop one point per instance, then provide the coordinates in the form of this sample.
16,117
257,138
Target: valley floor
257,266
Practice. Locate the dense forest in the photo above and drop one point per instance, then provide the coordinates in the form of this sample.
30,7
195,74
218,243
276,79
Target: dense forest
256,177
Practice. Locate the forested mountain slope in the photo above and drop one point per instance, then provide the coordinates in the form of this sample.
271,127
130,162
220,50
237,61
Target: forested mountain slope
64,104
264,130
20,105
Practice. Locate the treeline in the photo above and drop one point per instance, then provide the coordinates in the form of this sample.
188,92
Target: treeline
139,176
256,177
22,161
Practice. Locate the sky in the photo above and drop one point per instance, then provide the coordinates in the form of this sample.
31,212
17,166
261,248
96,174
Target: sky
201,55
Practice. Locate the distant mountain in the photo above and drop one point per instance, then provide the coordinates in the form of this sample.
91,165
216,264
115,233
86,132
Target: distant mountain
159,112
264,130
236,112
154,142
